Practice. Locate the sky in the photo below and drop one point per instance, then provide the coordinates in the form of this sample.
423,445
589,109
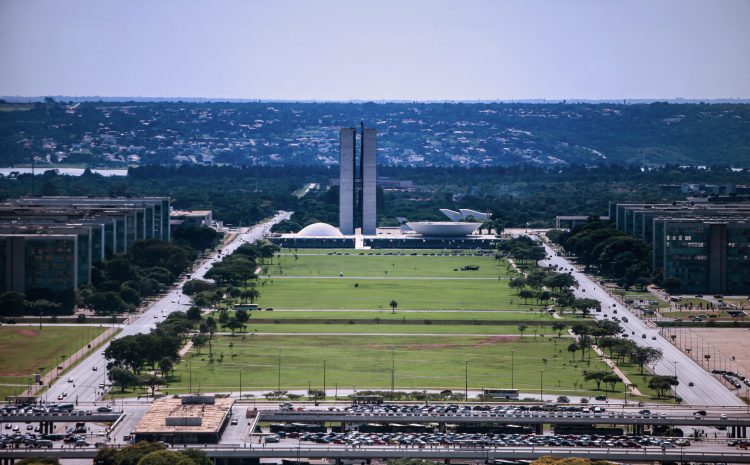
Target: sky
377,50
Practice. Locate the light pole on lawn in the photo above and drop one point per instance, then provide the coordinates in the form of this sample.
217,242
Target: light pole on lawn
278,388
541,385
466,380
324,380
512,369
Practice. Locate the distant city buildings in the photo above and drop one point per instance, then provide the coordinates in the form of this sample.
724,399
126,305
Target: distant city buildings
706,246
48,244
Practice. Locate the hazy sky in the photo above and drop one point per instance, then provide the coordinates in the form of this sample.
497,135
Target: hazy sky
376,49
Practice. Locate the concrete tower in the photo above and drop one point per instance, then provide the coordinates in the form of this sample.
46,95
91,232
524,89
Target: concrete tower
369,180
347,143
357,188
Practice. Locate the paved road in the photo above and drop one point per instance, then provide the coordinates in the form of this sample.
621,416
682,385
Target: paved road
86,381
707,390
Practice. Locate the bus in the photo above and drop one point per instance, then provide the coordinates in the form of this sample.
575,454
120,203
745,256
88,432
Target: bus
507,394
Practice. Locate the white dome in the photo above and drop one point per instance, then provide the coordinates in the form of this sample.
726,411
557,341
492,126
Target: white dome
319,230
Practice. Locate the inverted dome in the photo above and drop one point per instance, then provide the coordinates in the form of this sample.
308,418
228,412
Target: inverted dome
319,230
443,228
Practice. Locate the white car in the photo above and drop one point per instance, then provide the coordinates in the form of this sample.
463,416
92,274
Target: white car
70,380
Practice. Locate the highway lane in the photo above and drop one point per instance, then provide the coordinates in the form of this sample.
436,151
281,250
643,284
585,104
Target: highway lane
86,380
707,390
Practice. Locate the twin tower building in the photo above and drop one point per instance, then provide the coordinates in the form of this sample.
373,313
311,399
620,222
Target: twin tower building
357,182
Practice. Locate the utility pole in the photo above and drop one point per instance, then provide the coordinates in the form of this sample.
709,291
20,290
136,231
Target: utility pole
324,380
279,383
393,372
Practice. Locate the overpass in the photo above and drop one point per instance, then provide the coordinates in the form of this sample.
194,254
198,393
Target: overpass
229,454
47,419
738,424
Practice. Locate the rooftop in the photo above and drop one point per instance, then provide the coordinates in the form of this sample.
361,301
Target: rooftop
198,418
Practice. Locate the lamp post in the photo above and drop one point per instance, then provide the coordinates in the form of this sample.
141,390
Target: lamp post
393,372
309,390
279,379
512,369
541,385
324,380
466,380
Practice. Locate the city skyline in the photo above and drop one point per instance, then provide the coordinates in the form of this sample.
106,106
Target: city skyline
417,50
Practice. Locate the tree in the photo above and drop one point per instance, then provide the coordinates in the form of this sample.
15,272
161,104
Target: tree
153,252
522,328
39,461
243,316
559,327
573,348
662,384
122,377
645,356
596,376
526,294
233,324
612,379
193,313
199,340
152,381
165,457
393,304
198,456
165,366
107,303
250,294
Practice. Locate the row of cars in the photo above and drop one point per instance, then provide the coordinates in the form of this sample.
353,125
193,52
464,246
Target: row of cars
551,410
355,438
732,377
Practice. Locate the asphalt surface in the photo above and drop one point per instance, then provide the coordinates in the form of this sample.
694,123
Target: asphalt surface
85,383
707,390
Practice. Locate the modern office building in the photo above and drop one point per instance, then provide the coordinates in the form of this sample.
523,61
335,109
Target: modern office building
49,244
357,187
706,245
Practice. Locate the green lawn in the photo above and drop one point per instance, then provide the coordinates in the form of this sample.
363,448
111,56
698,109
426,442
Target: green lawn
365,361
387,266
344,293
27,349
398,329
401,315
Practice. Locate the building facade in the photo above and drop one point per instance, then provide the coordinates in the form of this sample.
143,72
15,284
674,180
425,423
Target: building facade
357,183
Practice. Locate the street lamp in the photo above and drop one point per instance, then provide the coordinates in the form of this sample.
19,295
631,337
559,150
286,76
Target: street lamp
279,383
309,390
324,380
541,385
512,369
466,380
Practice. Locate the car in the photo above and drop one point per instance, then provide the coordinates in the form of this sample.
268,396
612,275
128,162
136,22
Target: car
70,380
643,336
234,421
94,368
601,398
653,338
723,416
104,409
60,397
700,413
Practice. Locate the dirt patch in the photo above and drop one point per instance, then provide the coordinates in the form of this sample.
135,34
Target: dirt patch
730,343
491,341
432,346
27,332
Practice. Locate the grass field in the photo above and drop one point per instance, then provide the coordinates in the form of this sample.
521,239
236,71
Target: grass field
27,349
421,362
385,266
344,293
401,315
398,329
314,279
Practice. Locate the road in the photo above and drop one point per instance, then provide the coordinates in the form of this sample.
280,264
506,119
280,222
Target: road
92,371
707,390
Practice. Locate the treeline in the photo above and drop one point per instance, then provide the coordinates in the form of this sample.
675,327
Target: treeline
614,254
519,196
150,453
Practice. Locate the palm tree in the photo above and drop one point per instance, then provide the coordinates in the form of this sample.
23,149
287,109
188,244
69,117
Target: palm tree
393,305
